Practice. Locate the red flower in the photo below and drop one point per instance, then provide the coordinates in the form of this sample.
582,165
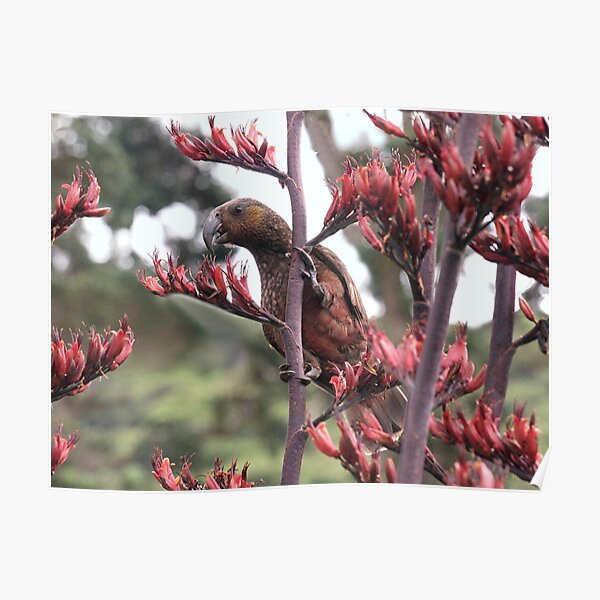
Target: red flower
217,479
372,430
385,207
249,150
369,234
385,125
163,472
532,130
513,245
527,310
76,204
223,288
496,183
322,440
476,474
61,448
516,448
457,374
72,370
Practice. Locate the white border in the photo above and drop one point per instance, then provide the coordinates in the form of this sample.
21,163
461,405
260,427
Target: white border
314,541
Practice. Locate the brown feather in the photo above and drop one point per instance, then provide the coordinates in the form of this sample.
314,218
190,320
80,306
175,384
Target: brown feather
333,332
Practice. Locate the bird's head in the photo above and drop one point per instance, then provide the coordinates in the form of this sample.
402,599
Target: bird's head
247,223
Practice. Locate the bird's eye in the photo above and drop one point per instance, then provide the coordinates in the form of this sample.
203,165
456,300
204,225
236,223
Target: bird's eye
238,209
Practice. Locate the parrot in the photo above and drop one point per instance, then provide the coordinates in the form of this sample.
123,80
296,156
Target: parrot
334,320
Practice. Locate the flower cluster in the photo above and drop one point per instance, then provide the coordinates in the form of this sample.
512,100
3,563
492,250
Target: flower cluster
211,283
457,373
77,203
475,474
352,452
532,130
364,378
385,207
497,183
217,479
356,446
61,448
73,369
428,138
516,448
512,244
248,149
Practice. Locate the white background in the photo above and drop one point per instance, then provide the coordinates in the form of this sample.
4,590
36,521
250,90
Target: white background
314,541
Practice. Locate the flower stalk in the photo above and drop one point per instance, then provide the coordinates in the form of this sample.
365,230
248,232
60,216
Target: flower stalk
296,435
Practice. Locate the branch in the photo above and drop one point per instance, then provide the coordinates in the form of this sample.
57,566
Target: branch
430,209
296,436
499,361
319,132
250,149
410,467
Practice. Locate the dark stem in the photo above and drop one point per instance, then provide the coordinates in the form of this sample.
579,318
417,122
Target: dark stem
420,306
296,436
499,360
431,209
467,135
420,405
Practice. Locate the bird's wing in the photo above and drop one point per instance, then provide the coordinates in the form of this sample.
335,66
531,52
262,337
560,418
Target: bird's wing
351,294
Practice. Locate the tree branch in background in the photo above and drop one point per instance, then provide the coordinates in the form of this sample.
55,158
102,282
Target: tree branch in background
296,436
318,127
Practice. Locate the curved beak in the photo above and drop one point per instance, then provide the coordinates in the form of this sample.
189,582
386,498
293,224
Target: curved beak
211,230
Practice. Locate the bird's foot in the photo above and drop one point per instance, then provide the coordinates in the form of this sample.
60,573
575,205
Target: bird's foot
310,273
310,372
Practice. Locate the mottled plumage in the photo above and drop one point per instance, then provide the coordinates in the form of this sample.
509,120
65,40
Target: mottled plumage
334,326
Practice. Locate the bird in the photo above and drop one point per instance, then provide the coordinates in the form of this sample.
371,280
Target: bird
334,320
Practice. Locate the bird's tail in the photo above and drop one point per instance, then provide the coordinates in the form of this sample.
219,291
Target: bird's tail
389,408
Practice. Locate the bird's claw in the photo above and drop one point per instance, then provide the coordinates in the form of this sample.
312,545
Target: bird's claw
310,273
310,372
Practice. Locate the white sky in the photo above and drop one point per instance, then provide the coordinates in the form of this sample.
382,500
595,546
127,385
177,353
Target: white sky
474,297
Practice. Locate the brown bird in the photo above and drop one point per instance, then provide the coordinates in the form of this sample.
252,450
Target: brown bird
334,321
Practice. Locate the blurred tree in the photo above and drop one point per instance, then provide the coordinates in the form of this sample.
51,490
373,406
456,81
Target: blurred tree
135,162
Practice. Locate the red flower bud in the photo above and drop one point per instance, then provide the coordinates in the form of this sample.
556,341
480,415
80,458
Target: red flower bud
322,440
527,310
386,126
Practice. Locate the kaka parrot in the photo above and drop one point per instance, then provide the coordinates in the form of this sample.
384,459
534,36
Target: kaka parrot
334,322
